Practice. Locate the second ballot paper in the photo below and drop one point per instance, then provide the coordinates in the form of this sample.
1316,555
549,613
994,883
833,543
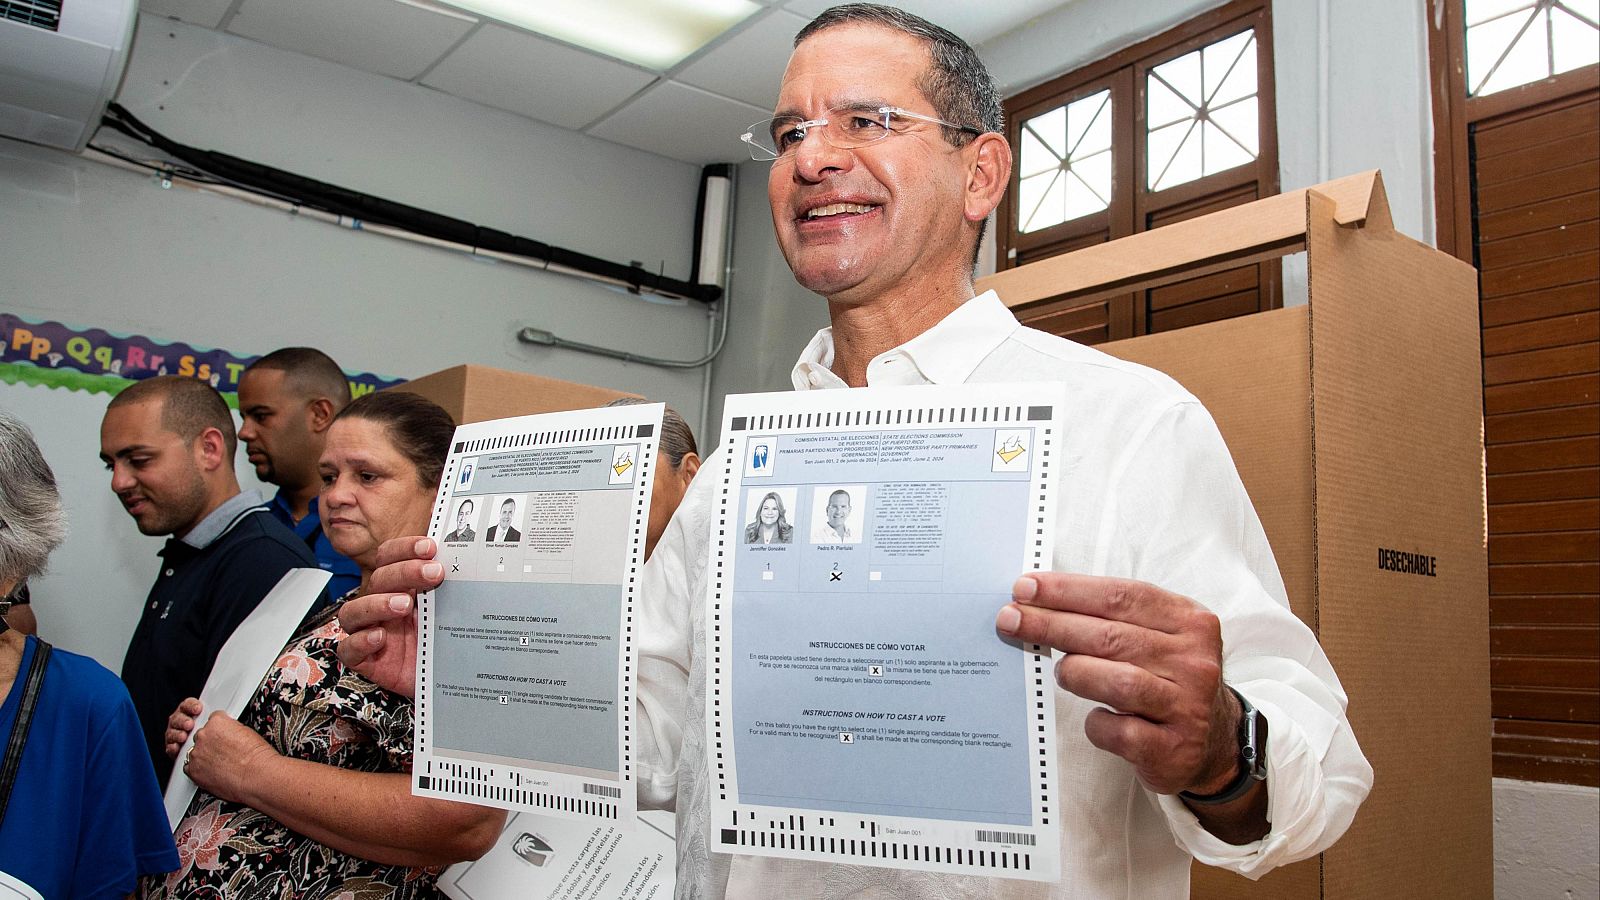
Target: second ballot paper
862,708
525,652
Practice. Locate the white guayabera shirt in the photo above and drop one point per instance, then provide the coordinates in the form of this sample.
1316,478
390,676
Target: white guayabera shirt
1148,491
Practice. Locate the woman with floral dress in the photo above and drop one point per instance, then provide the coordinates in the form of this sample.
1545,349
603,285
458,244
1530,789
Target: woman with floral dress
308,794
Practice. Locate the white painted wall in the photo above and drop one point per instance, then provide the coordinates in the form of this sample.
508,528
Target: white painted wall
1546,841
90,245
1353,94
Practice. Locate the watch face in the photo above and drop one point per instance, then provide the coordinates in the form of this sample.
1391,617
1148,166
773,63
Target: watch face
1252,739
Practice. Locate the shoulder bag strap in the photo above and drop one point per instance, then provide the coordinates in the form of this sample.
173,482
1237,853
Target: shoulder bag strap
19,731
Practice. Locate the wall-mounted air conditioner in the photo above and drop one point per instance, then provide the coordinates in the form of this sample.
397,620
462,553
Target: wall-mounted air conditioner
60,61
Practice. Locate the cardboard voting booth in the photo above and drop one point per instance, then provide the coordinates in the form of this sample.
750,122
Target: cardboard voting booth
1356,424
478,393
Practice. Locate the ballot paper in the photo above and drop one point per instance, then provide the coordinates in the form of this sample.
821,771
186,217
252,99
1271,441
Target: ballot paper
862,708
241,664
546,858
525,654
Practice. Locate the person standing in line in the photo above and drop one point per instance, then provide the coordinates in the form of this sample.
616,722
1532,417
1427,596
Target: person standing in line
307,793
83,818
169,444
287,400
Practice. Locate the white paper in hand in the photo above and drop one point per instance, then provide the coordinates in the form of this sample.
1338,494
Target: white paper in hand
243,660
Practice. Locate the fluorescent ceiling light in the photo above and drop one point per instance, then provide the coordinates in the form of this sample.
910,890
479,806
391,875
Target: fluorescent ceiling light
656,34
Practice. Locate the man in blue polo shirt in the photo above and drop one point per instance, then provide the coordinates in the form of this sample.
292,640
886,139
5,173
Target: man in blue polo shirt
287,399
169,444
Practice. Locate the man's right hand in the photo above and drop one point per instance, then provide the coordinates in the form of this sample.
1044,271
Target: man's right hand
381,626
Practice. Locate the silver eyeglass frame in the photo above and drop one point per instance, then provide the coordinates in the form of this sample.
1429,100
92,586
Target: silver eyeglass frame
762,154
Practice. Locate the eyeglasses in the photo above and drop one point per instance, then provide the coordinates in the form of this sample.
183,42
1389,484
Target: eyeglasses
844,127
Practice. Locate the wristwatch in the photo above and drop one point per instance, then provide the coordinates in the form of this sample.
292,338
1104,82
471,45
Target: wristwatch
1252,757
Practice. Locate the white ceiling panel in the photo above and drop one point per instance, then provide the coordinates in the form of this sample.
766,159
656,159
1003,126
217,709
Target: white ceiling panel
683,122
695,115
748,65
541,79
974,22
205,13
395,39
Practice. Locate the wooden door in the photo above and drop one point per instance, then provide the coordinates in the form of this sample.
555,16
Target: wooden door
1516,101
1536,201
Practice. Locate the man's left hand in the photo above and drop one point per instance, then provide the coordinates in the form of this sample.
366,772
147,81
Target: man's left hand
226,755
1154,657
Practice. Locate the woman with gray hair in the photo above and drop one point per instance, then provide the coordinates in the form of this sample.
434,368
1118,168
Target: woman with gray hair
80,812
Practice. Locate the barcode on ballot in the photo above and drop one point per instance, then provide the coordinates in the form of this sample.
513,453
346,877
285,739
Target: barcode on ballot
601,790
1005,837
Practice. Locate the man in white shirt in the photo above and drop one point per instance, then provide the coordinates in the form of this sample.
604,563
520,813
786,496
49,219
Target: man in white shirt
835,528
887,158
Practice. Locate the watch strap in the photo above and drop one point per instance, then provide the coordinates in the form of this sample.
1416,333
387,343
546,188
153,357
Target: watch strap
1252,759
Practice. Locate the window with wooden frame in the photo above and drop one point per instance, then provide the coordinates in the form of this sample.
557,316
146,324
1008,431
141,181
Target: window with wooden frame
1175,127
